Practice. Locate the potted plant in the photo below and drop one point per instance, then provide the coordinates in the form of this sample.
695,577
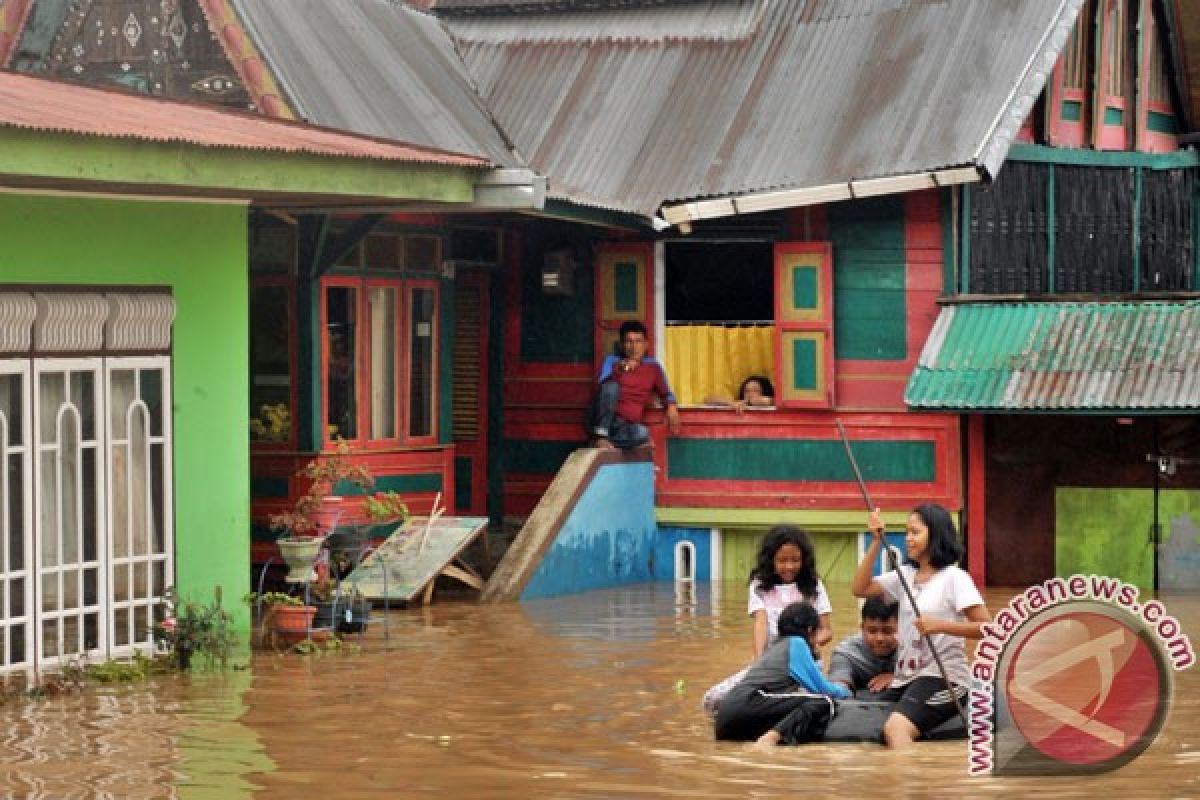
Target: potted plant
311,519
289,618
189,628
340,608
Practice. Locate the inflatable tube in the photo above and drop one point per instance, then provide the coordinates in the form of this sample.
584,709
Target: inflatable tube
862,721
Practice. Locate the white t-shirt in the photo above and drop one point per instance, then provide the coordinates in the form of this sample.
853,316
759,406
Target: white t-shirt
946,594
776,599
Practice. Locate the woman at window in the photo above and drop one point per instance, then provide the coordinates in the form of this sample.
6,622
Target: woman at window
755,391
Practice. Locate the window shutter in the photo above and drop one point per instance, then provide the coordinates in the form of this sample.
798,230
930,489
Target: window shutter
804,325
623,292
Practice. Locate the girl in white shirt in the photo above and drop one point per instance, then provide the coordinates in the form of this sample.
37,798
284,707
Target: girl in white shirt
950,609
784,572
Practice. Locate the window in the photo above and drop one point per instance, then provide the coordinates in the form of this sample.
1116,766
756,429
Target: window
271,368
751,308
86,515
393,252
1096,240
379,350
720,317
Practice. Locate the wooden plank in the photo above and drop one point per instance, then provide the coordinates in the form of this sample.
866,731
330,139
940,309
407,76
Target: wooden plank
409,561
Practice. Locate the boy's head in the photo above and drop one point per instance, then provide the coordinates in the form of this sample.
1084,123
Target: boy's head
798,619
879,626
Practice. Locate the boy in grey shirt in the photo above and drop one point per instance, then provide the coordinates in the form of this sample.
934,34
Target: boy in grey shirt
865,661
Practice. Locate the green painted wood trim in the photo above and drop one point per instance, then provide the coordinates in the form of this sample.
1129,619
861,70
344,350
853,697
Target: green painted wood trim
495,400
540,457
946,198
813,521
1072,110
1160,122
589,215
964,272
423,482
804,365
799,460
268,487
462,481
1180,159
625,287
1051,229
1113,116
237,171
446,362
1136,239
804,287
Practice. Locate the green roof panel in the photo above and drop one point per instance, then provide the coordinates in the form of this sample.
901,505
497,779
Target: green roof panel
1061,357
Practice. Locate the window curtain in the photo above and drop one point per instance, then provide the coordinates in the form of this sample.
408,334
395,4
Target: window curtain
713,360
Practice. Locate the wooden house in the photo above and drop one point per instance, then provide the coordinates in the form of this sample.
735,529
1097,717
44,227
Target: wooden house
124,321
820,191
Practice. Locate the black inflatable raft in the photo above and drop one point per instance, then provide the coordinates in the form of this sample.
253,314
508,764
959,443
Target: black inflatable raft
861,720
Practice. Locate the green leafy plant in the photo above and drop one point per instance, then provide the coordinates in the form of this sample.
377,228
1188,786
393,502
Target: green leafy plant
190,628
271,599
273,424
385,506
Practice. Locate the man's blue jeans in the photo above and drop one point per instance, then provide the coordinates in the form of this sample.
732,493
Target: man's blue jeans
607,423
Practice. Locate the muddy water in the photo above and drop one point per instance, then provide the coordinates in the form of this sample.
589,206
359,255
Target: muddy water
589,696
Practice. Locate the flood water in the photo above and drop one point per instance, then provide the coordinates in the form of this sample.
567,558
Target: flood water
595,695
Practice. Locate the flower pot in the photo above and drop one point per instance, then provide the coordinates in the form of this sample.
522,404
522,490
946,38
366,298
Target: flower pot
299,552
291,624
343,615
183,656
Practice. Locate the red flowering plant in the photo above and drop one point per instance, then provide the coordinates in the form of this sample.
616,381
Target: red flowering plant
188,628
323,475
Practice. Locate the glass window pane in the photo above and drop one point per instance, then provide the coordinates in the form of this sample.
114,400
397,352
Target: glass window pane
422,253
52,390
10,407
270,365
340,343
150,384
383,251
382,309
83,394
122,388
420,380
15,507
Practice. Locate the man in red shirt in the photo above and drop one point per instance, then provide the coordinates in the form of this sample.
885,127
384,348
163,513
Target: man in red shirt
627,385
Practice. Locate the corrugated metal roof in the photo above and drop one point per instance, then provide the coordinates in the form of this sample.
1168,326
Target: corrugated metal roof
816,92
1061,357
47,105
374,67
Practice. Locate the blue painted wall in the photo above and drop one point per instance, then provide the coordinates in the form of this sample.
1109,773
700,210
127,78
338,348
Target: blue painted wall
611,538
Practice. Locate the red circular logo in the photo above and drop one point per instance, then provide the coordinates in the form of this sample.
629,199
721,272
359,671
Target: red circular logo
1086,686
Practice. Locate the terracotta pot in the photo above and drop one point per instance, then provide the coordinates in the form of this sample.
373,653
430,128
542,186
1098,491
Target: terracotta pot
291,624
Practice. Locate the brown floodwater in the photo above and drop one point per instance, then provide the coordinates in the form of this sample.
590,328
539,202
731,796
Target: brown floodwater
595,695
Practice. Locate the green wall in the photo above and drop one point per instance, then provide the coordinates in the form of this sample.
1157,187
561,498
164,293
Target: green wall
1107,532
199,250
555,328
870,316
837,557
798,460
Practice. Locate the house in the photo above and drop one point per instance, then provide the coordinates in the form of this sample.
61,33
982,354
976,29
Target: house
124,345
825,192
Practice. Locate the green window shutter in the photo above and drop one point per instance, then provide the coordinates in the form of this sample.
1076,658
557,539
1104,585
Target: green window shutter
804,324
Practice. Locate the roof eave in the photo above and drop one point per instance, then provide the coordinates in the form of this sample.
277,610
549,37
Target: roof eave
798,197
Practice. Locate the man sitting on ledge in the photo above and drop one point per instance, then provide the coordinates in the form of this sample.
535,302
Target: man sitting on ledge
627,385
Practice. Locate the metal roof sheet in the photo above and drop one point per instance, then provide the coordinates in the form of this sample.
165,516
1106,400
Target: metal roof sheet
1120,356
374,67
48,105
796,93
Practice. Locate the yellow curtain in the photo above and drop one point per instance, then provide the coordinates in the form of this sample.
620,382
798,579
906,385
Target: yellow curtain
713,360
